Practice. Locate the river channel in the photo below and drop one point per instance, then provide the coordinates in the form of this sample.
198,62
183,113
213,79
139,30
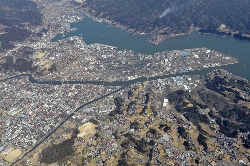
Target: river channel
116,83
101,32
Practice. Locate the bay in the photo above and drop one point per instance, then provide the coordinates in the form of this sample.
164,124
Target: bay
101,32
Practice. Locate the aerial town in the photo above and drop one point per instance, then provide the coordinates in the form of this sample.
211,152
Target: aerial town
30,111
72,59
76,104
142,127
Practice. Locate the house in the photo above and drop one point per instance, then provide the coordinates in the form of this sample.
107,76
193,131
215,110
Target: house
176,153
88,110
165,137
241,162
102,110
184,54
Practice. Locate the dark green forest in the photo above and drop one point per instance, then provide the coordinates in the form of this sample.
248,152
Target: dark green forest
13,15
223,94
176,16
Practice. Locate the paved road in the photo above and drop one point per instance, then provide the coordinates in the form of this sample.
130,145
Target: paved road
115,83
72,114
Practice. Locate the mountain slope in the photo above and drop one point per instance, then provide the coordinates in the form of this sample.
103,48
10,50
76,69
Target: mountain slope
168,17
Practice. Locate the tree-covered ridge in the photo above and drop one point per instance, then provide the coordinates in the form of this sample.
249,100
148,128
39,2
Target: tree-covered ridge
174,17
14,16
227,97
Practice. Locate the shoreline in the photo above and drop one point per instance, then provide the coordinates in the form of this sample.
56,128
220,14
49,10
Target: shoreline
132,32
151,37
34,79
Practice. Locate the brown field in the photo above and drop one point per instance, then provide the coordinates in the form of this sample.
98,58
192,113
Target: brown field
13,155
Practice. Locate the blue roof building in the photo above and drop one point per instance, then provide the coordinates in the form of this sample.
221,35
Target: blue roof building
179,79
184,54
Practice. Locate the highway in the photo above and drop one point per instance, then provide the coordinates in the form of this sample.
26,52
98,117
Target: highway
64,121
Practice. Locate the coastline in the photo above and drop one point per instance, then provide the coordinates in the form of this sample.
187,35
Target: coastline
157,39
133,31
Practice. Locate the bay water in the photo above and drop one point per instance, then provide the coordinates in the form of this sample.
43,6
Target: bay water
103,33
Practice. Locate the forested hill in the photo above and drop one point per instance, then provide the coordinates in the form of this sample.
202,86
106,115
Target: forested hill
175,16
15,16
